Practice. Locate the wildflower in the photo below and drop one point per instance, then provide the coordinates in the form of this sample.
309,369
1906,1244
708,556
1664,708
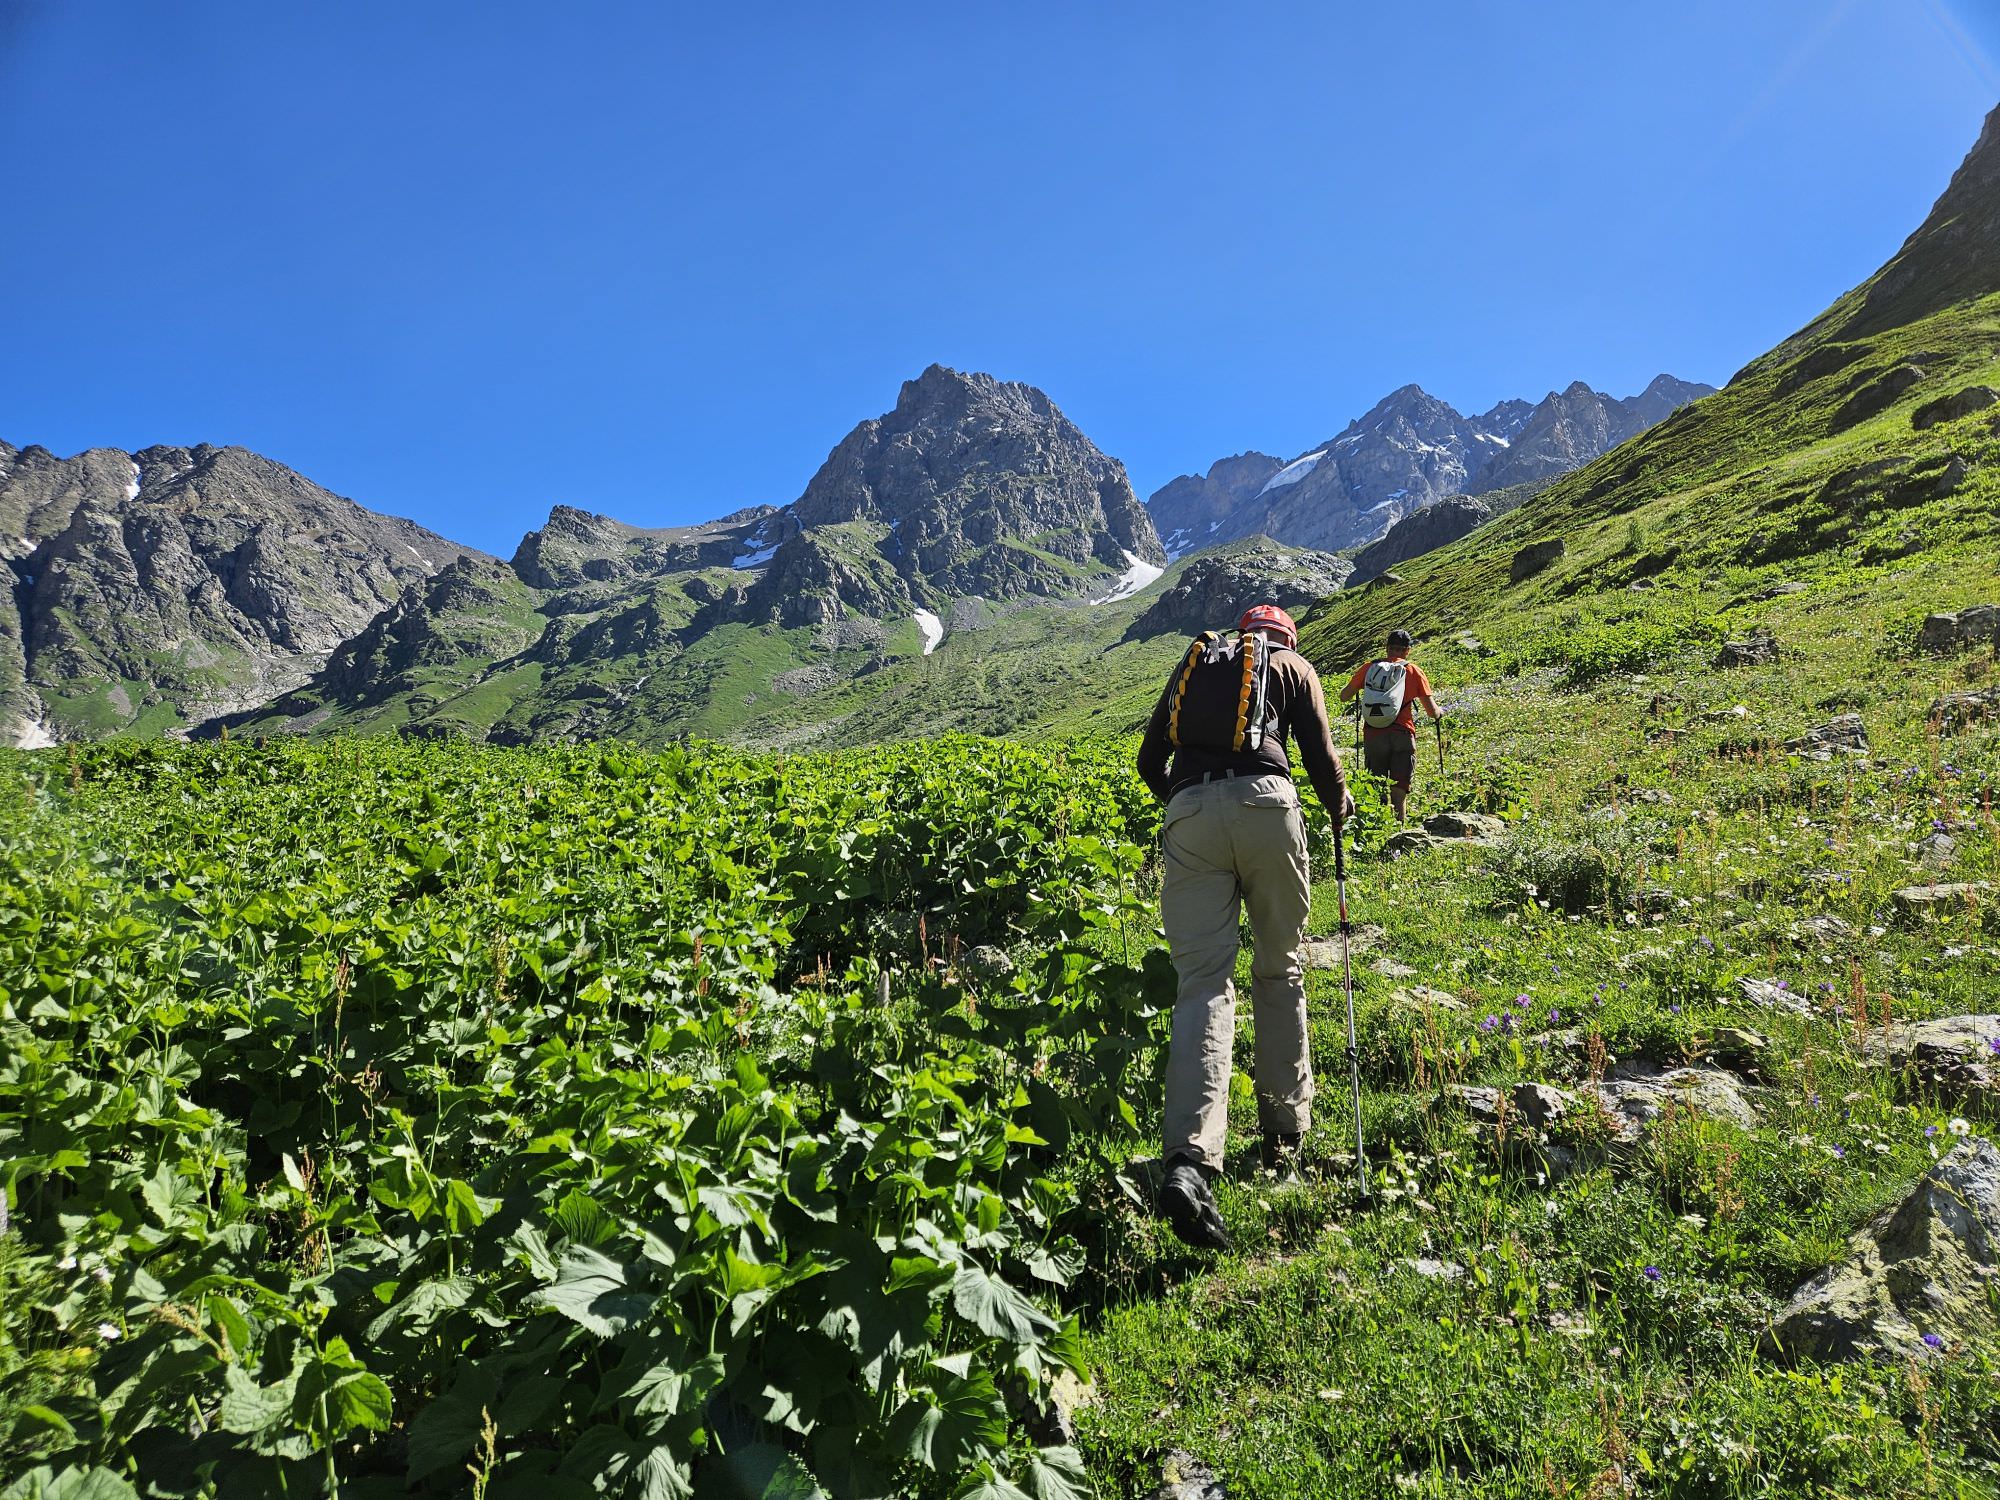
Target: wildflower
1674,1009
1959,1125
1520,1002
1929,1131
108,1332
67,1263
103,1275
1489,1023
1993,1045
1933,1341
1707,943
1555,1018
1839,1153
1652,1273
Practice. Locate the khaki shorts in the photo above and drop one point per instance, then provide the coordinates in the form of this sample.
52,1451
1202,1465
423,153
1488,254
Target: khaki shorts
1392,754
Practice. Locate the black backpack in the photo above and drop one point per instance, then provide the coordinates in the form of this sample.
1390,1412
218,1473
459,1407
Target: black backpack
1218,698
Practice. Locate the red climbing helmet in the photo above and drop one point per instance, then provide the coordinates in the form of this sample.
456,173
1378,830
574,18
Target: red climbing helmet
1270,617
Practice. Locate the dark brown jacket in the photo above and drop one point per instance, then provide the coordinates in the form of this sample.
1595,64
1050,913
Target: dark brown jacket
1295,705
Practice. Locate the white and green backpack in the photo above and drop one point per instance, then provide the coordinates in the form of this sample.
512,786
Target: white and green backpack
1382,693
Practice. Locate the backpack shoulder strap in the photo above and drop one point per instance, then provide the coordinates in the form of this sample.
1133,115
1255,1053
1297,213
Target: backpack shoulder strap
1197,648
1249,698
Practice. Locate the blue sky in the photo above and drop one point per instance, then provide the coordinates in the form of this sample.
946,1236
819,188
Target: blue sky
467,258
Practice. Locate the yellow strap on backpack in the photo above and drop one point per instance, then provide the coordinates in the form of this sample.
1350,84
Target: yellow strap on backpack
1196,650
1252,643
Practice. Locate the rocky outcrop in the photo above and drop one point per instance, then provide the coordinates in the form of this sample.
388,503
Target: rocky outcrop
1759,648
1974,398
1213,591
1189,511
1845,734
1969,628
1448,828
174,584
1533,558
1406,454
1958,1054
976,484
1917,1281
1422,531
1877,396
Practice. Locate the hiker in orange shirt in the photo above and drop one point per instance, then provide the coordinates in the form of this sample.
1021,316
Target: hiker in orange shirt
1390,689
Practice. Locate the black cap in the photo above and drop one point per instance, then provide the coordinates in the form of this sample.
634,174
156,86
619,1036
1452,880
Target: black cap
1399,640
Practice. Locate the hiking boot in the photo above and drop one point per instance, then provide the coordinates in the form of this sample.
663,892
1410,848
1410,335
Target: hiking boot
1190,1209
1279,1150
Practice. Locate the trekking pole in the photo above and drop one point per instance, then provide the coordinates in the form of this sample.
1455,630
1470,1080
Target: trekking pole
1437,723
1347,985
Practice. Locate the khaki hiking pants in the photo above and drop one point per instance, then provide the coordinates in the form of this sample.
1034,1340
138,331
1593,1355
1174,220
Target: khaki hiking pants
1228,844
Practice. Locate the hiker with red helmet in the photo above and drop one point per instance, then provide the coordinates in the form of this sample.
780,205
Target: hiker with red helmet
1233,837
1391,687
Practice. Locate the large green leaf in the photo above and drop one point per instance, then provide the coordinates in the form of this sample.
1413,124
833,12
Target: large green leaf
71,1484
997,1309
444,1434
591,1289
957,1418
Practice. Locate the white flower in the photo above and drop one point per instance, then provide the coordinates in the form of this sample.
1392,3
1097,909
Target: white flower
67,1263
108,1332
103,1275
1959,1126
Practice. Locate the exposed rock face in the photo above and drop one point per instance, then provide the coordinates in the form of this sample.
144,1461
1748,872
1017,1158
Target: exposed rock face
1446,828
1977,626
1956,711
1189,511
977,483
1405,454
1926,1267
1974,398
1759,648
1953,257
1419,532
1534,557
1638,1092
178,583
1213,591
1941,900
1955,1053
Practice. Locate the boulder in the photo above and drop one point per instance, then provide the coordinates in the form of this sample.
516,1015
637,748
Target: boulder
1540,1104
1955,711
1943,898
1927,1266
1534,557
1637,1094
1877,396
1483,1104
1973,398
1976,626
1936,849
1185,1477
1846,733
1740,1049
1424,998
1477,828
990,963
1774,994
1948,1052
1390,968
1756,649
1324,952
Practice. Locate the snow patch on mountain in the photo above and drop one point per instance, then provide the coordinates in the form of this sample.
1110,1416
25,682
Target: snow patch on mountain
1136,576
1293,472
932,629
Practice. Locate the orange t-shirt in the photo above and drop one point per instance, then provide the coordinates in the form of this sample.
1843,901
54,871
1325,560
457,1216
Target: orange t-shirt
1415,686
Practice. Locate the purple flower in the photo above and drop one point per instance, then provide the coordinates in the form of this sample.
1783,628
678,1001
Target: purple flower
1933,1341
1520,1002
1555,1019
1707,943
1814,1101
1652,1273
1489,1023
1507,1024
1993,1045
1674,1009
1929,1131
1839,1154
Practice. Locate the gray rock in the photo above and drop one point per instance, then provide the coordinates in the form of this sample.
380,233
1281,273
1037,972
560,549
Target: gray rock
1774,994
1942,899
1845,733
1926,1266
1410,841
1637,1093
1974,398
1482,1104
1956,711
1976,626
1213,591
1954,1053
1534,557
1478,828
1877,396
1389,968
1185,1477
989,963
1759,648
1936,849
1423,997
1739,1048
1436,1270
1419,532
1540,1104
1324,952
